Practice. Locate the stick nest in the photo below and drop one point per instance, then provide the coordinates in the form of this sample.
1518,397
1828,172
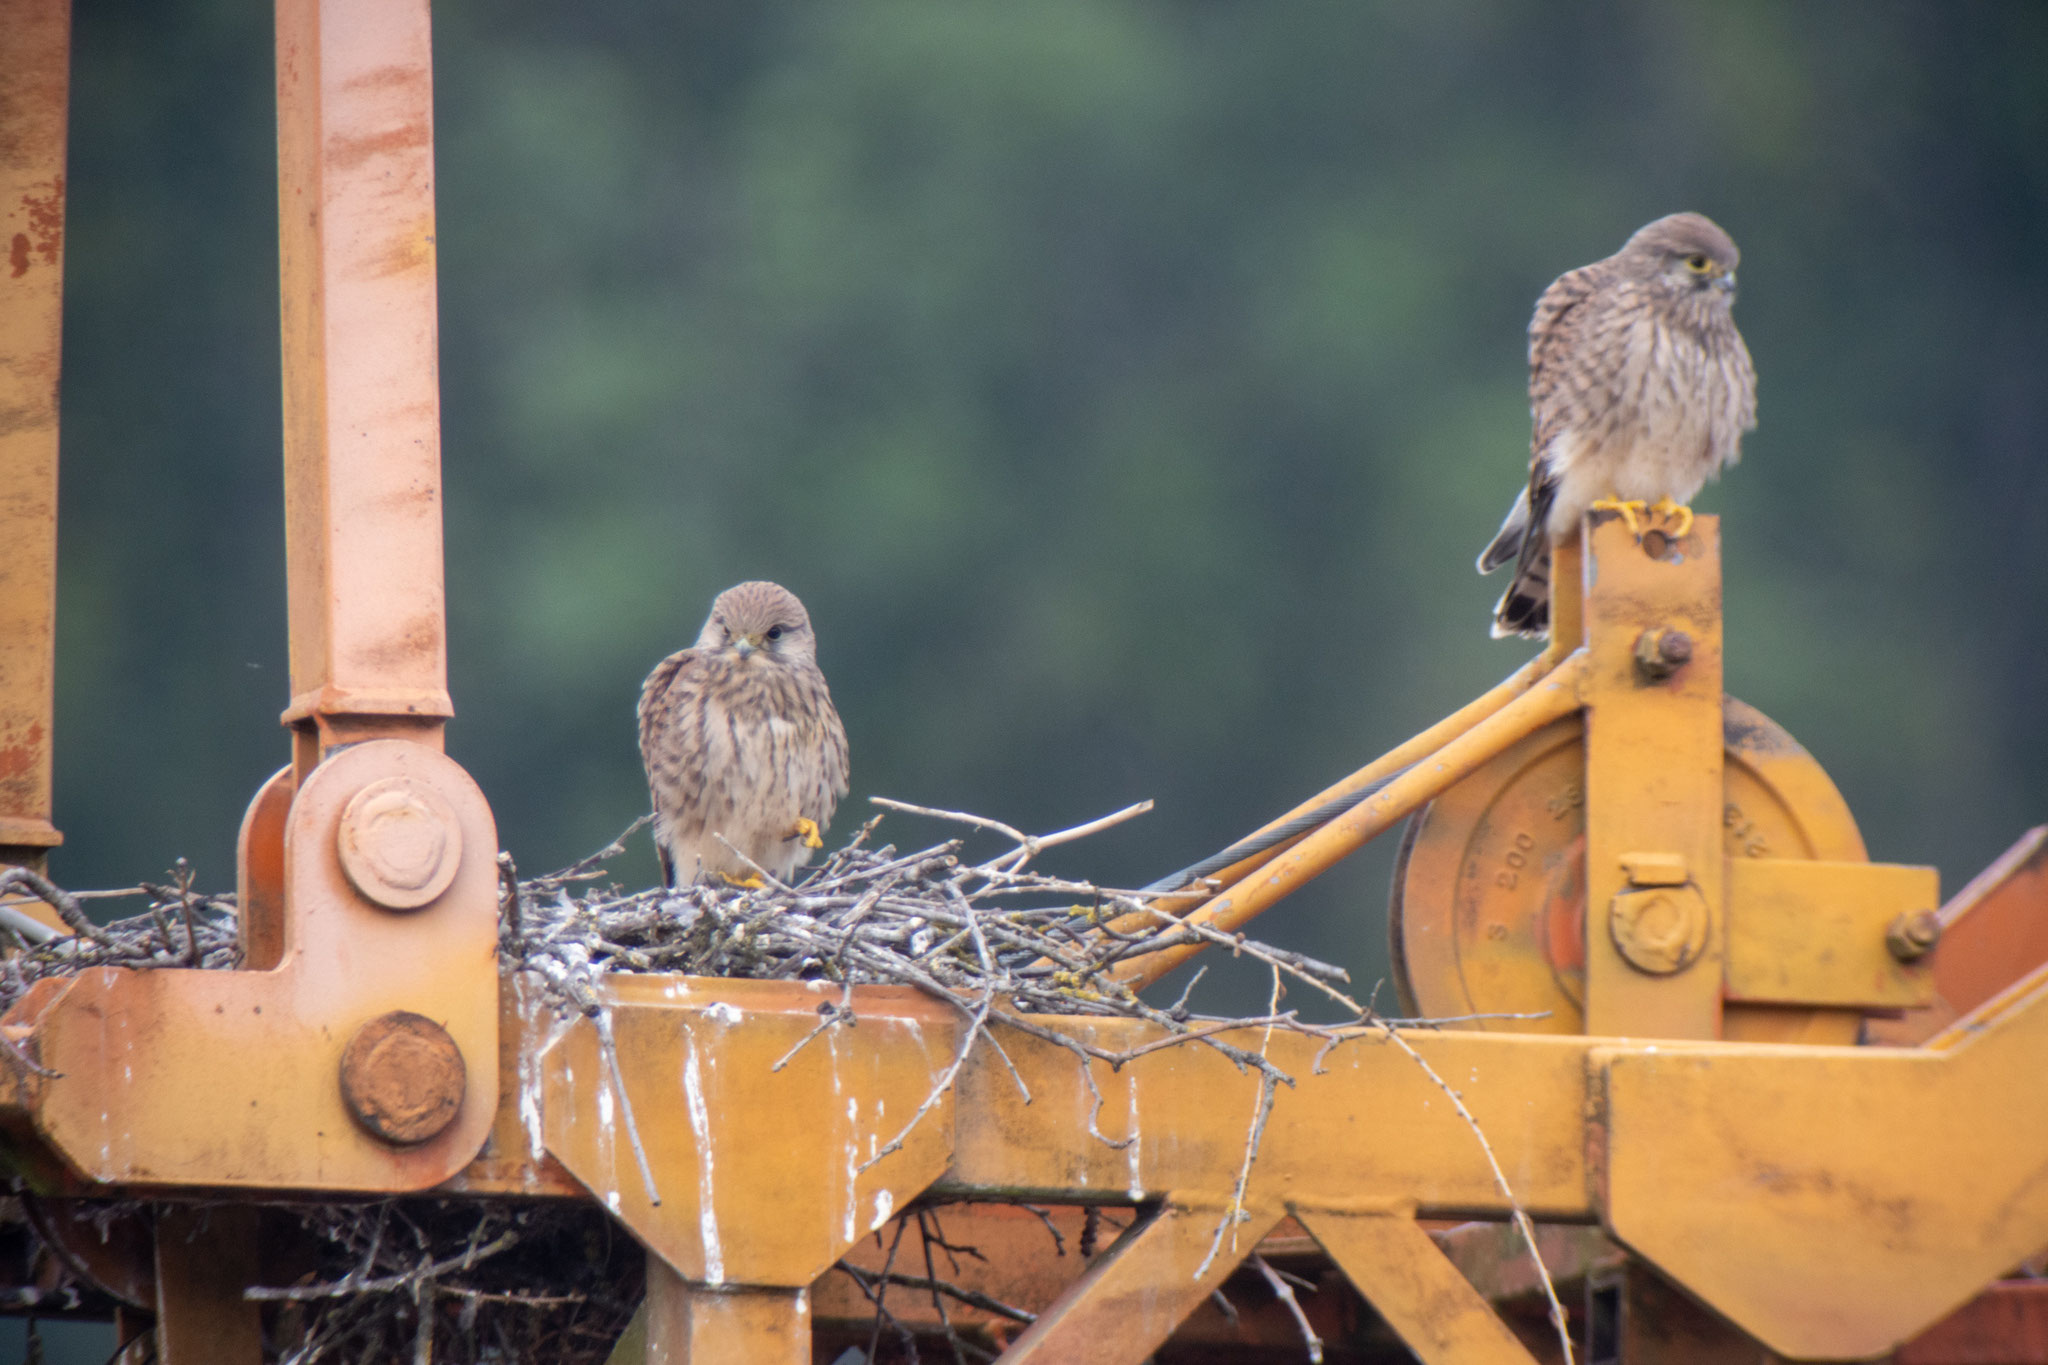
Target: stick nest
1001,943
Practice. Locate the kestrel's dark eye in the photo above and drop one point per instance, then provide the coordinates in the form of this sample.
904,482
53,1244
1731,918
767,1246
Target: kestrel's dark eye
775,632
1696,263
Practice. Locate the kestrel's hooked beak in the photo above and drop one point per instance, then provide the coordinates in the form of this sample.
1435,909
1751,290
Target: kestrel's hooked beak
747,644
1727,283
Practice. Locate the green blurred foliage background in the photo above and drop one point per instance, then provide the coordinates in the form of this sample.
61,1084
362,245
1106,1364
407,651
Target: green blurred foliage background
1125,385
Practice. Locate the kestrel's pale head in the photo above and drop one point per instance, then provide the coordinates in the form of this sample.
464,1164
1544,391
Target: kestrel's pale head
763,618
1688,255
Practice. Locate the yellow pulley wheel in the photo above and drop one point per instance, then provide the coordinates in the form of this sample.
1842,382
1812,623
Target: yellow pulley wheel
1489,898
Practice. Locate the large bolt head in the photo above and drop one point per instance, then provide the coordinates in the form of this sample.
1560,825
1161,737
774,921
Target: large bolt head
402,1077
399,843
1660,930
1912,937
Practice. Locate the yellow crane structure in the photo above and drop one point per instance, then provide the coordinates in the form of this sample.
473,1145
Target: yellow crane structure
1806,1103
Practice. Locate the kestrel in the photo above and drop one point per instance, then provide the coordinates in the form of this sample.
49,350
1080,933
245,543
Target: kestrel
741,743
1640,389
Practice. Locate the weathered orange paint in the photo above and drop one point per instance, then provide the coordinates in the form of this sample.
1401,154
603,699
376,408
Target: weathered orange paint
361,374
34,82
183,1078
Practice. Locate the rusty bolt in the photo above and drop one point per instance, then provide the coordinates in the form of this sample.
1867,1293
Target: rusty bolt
399,843
1660,930
1660,653
402,1077
1912,937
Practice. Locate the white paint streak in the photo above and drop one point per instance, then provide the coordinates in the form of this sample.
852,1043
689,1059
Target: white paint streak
1136,1138
700,1125
885,1204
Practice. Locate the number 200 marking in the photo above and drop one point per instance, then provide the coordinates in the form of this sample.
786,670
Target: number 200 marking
1514,860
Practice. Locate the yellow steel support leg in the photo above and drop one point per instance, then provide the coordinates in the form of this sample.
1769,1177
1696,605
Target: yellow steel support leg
1137,1293
687,1324
1654,874
1409,1282
35,56
204,1260
362,439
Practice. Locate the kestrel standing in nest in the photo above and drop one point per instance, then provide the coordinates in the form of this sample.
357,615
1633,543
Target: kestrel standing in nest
1640,388
745,754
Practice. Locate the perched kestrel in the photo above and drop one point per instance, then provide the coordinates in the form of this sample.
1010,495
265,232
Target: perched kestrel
1640,388
741,742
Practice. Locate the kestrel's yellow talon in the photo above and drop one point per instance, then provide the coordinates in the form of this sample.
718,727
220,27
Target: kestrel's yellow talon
1630,509
1674,511
807,830
751,882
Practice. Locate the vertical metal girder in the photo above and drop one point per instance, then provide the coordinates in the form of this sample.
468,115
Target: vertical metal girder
35,60
362,446
1410,1283
1652,689
205,1258
688,1324
1132,1298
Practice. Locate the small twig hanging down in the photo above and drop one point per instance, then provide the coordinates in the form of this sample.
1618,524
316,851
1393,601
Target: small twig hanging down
610,1046
1284,1292
1500,1181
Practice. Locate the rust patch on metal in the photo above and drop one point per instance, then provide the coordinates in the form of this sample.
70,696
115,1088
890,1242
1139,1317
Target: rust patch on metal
46,221
347,153
402,1077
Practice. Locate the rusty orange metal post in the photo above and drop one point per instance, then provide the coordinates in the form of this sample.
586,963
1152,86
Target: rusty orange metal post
355,139
34,79
359,1052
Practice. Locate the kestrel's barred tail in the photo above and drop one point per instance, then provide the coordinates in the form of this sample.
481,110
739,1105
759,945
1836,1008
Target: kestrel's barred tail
1524,540
1524,609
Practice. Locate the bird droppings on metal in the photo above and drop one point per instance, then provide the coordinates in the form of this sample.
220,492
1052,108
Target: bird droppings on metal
885,1204
700,1127
606,1126
725,1012
1134,1143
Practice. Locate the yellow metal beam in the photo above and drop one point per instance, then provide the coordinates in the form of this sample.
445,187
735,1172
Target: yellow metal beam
1554,696
1409,1282
1652,688
756,1174
1813,933
362,438
1133,1297
205,1258
34,78
1833,1202
689,1324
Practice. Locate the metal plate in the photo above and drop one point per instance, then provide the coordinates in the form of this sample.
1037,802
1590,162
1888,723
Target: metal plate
1487,914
